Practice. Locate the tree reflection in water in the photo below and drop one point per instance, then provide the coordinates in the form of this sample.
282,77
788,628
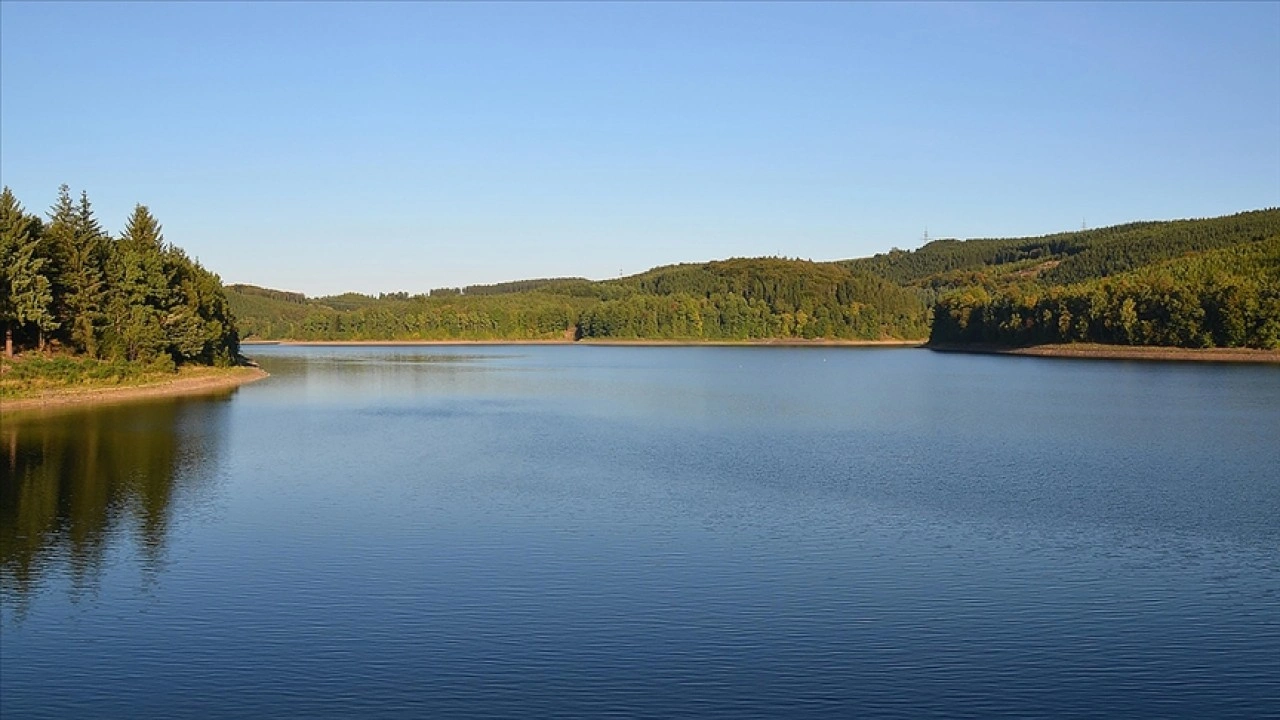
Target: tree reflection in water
76,485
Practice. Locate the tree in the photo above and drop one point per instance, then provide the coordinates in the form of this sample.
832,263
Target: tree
25,294
80,244
134,298
138,294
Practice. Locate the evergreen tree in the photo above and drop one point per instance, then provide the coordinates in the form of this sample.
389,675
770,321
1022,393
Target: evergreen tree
135,298
198,326
139,293
25,294
80,246
53,243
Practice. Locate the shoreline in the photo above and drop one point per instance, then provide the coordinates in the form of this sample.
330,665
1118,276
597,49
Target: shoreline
203,382
396,343
1074,351
1146,353
782,342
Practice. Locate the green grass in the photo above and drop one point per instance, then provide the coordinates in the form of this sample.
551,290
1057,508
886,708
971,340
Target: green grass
35,375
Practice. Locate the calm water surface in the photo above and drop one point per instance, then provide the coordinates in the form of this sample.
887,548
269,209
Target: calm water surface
651,532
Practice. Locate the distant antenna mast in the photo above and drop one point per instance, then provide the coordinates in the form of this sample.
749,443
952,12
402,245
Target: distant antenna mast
1083,225
926,236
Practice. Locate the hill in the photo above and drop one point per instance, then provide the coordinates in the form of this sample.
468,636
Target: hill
978,290
725,300
1068,257
1228,297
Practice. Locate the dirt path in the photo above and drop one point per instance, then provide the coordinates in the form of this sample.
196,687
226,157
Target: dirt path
201,382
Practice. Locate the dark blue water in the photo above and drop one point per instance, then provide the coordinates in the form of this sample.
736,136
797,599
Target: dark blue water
568,531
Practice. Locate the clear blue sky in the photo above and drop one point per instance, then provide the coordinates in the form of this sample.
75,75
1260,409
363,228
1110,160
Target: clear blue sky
378,147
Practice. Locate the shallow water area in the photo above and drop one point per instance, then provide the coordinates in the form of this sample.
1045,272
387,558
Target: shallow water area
568,531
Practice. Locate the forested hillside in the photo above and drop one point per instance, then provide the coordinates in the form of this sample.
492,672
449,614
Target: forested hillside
757,299
1220,298
1066,257
134,297
1190,283
727,300
521,316
1054,288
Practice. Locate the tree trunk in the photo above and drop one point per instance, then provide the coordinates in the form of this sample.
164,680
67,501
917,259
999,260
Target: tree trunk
8,341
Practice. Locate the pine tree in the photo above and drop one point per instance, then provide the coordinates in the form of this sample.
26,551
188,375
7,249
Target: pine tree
53,243
143,228
138,290
25,295
80,244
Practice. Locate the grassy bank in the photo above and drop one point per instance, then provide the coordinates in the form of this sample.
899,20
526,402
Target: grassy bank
36,380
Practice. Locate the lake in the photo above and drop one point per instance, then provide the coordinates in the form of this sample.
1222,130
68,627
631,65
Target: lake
570,531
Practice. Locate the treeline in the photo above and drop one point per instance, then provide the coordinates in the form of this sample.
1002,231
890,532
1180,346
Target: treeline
727,300
134,297
1138,283
286,296
1067,257
757,298
731,316
1221,298
518,286
527,316
509,317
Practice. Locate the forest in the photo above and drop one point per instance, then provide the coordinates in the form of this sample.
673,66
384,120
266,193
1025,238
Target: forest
65,283
1220,298
1191,283
756,299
